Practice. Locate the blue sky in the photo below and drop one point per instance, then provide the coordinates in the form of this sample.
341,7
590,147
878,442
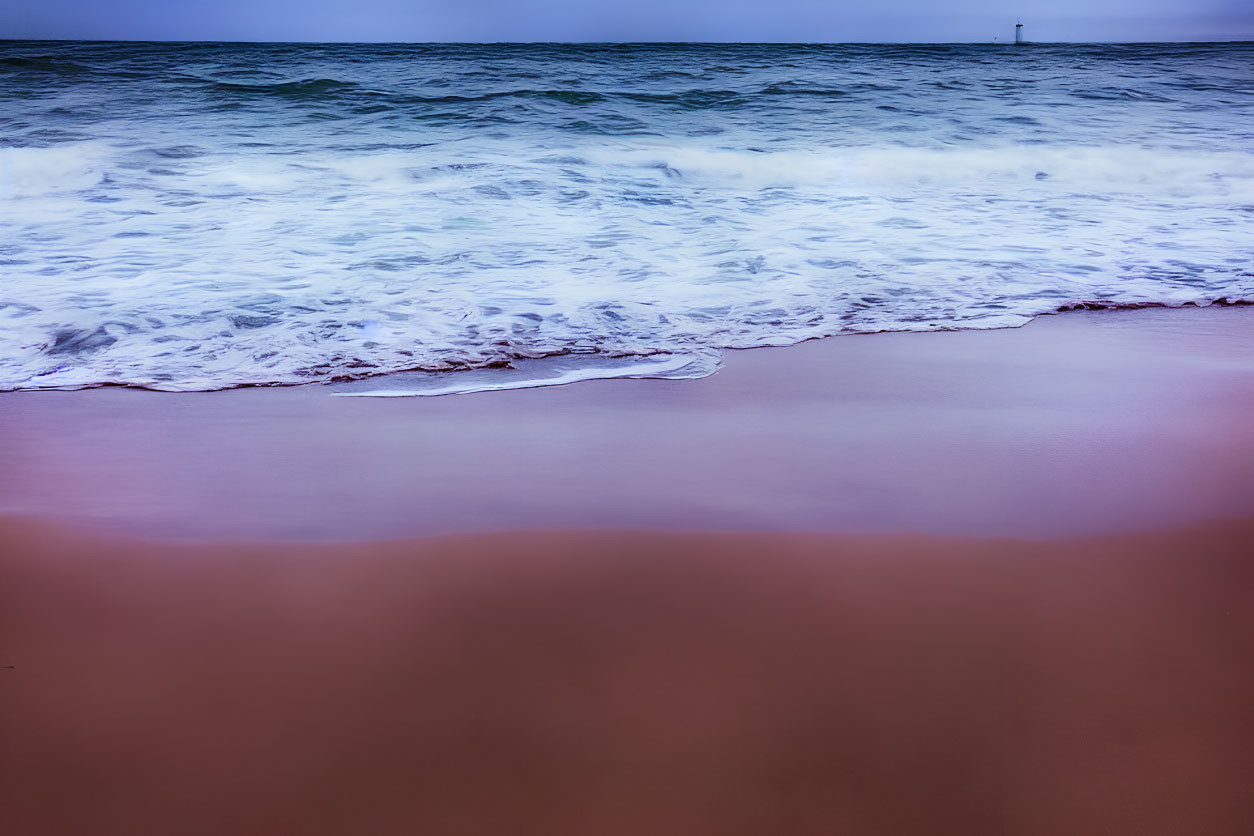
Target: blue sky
626,20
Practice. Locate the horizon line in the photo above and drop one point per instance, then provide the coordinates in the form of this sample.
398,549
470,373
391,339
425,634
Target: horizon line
991,42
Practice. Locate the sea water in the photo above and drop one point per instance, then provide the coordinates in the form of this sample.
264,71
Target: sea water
203,216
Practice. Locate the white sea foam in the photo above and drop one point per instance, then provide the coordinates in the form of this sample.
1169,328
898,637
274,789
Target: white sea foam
284,269
531,374
34,173
857,169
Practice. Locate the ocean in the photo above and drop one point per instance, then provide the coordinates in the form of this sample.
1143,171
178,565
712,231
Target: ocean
205,216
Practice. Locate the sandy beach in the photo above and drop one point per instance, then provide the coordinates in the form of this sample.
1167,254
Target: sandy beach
575,683
973,582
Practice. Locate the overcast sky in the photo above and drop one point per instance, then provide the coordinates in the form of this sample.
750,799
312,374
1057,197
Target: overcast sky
627,20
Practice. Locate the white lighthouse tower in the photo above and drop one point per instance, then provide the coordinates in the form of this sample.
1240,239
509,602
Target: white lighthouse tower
1019,34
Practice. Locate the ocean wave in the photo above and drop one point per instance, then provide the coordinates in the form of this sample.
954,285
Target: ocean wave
315,90
309,88
259,215
232,272
40,63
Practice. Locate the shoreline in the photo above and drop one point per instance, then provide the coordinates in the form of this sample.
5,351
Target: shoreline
1087,423
393,381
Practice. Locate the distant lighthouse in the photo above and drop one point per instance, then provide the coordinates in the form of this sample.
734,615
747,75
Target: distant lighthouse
1019,34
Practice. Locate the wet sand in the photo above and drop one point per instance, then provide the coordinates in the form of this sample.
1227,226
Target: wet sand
581,683
1082,423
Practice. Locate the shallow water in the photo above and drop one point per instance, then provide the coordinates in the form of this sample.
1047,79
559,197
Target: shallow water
199,216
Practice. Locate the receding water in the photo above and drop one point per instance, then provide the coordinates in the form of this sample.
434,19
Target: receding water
198,216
